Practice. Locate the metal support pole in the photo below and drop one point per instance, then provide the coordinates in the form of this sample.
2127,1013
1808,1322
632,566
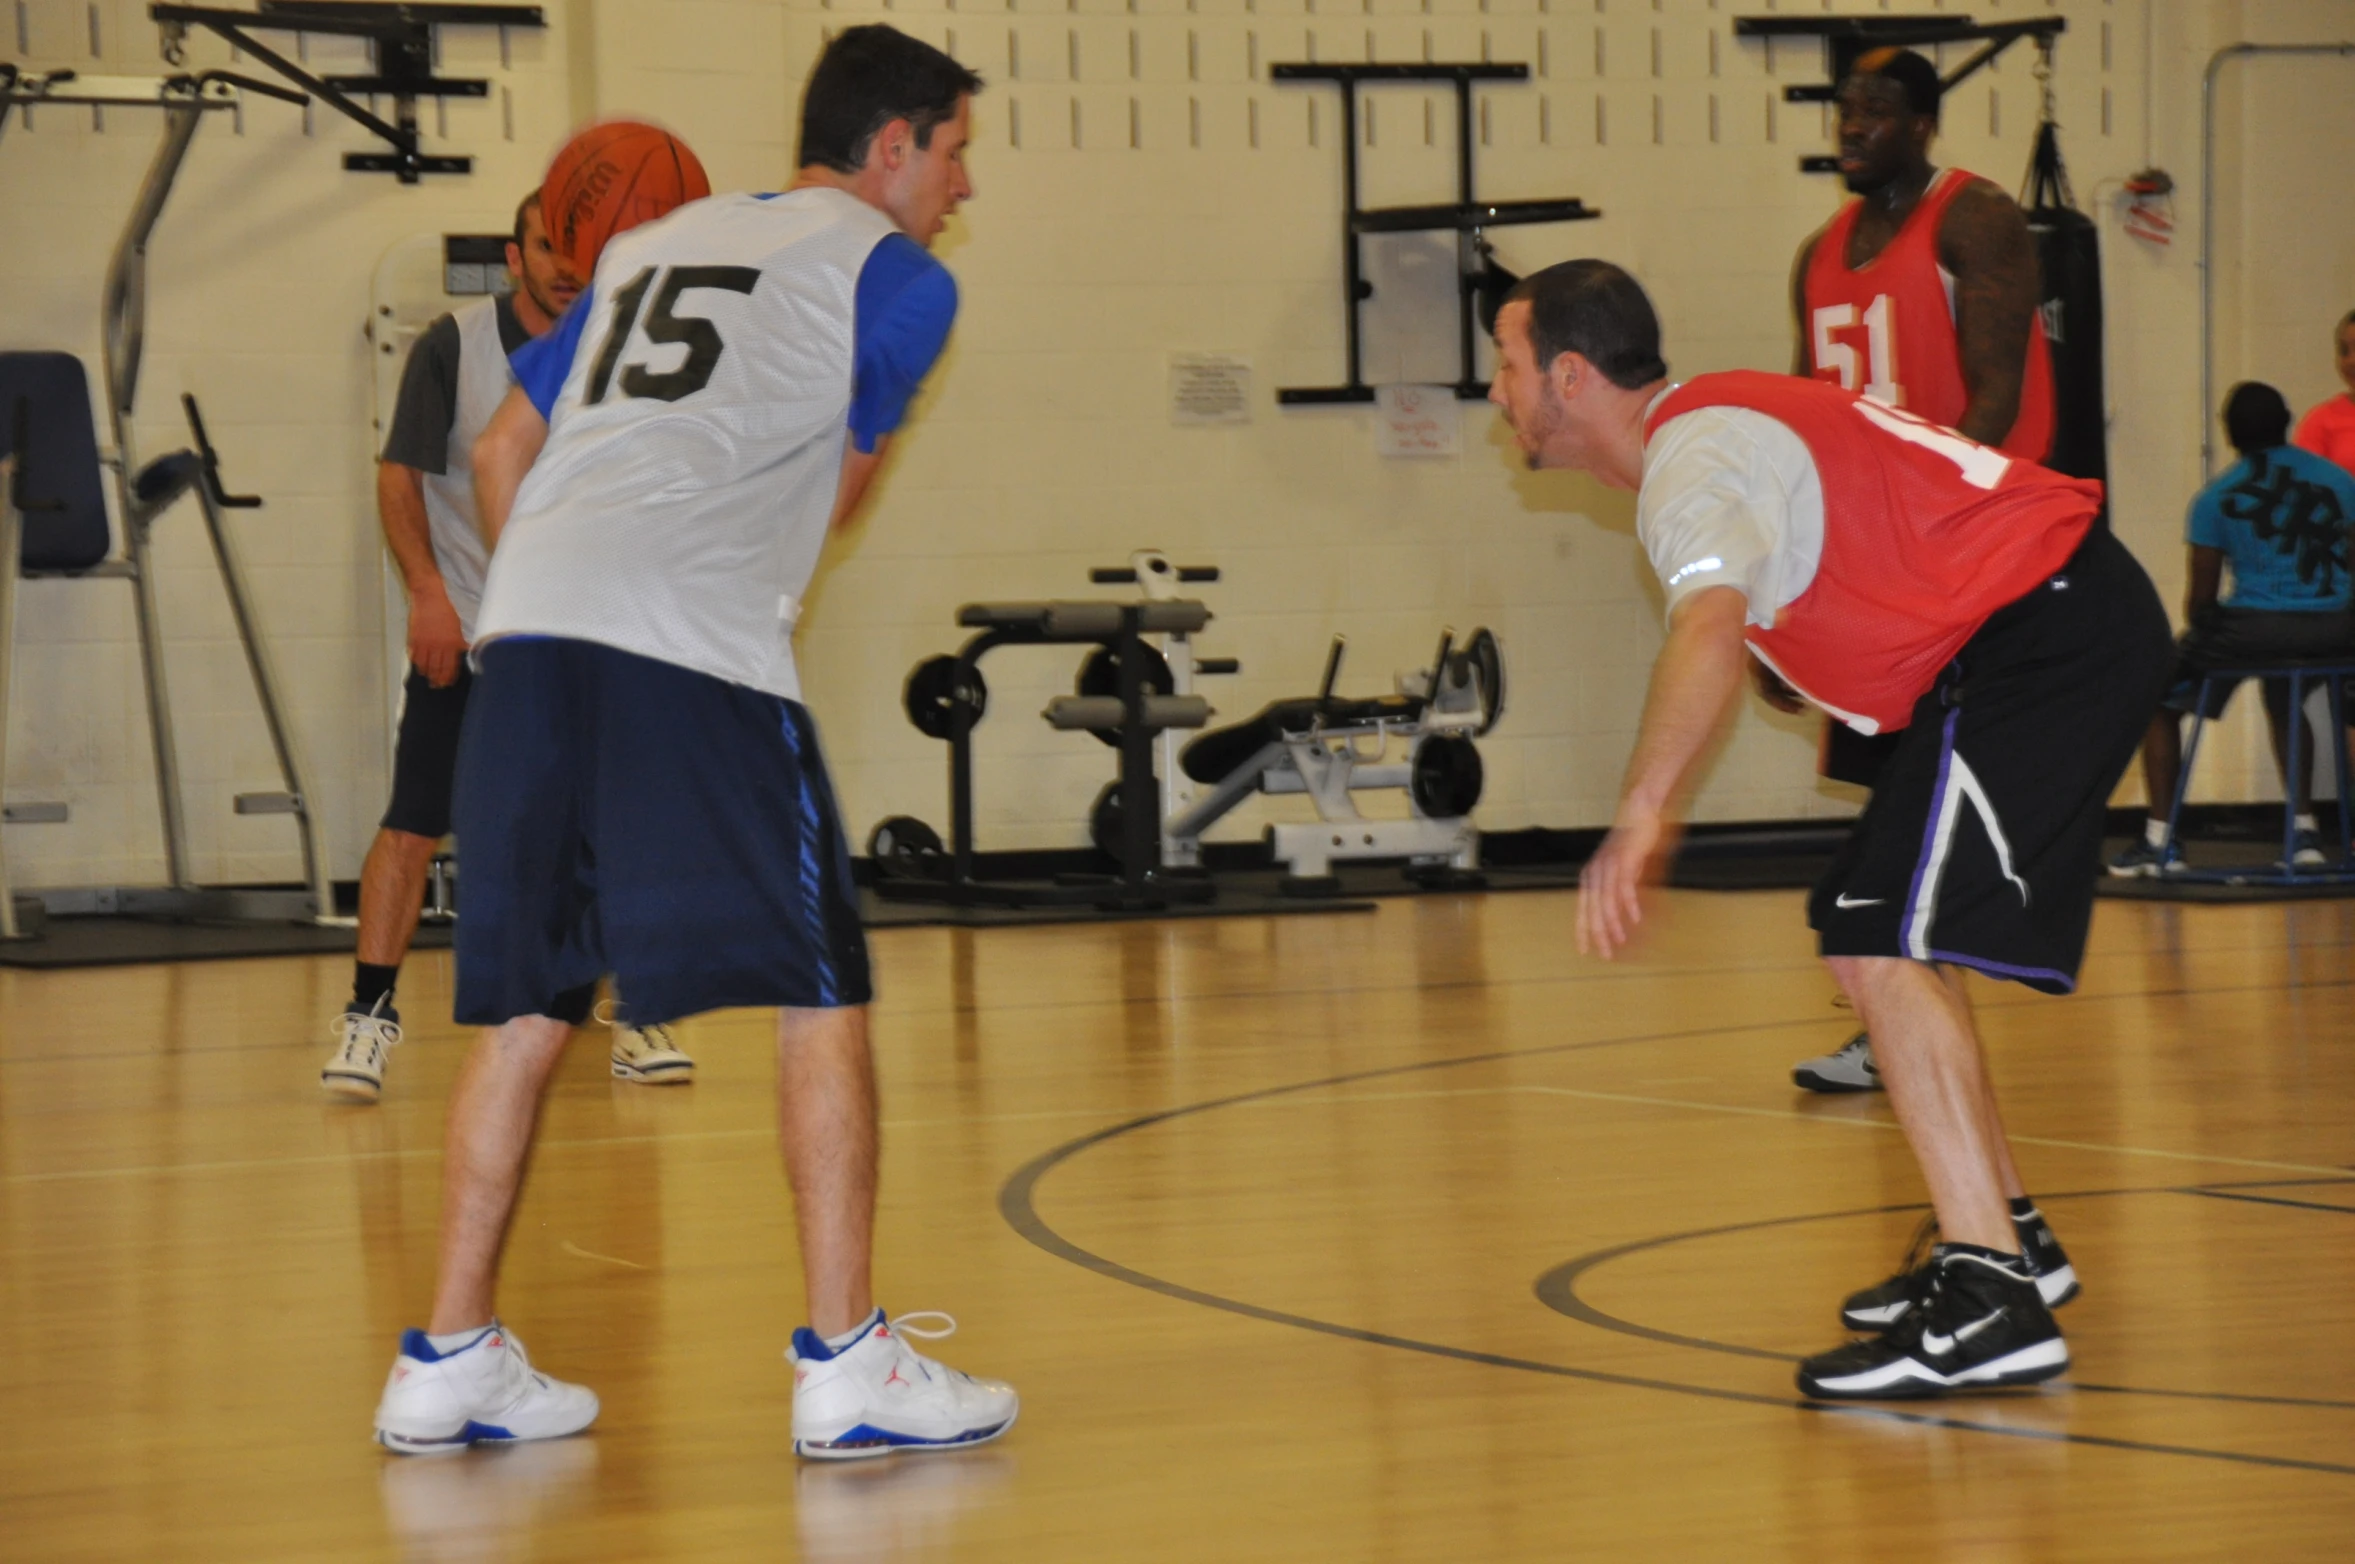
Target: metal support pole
1466,242
2216,64
265,680
1140,823
1351,266
2337,685
124,326
2292,783
11,556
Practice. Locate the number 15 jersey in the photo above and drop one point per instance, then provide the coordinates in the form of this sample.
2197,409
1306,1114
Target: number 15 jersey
698,399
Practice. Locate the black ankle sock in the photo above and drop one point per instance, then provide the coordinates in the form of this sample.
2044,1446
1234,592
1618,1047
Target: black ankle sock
2022,1208
371,982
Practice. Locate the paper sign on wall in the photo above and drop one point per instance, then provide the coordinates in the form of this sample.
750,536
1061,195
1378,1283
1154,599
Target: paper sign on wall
1416,421
1209,388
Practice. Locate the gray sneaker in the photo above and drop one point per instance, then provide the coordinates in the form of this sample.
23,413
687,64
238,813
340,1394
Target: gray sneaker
1848,1069
362,1040
2142,861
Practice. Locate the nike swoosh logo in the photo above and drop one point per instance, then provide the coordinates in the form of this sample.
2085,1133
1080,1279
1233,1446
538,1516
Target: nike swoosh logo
1844,901
1945,1344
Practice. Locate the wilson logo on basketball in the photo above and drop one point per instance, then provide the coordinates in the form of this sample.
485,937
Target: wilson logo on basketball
587,194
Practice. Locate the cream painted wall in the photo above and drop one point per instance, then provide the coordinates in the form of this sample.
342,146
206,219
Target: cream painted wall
1124,214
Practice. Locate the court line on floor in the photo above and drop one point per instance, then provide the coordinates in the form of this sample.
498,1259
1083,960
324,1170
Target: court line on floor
581,1142
1017,1207
1557,1288
1889,1126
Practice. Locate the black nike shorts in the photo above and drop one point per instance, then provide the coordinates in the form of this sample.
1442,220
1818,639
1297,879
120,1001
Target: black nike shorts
1982,842
425,755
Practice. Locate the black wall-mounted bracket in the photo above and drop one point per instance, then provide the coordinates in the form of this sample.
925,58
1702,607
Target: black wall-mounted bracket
1846,37
400,39
1478,277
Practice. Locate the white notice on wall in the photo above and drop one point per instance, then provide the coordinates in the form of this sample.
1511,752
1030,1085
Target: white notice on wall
1416,421
1209,388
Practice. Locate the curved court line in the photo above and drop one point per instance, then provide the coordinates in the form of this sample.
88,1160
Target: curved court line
1017,1205
1557,1289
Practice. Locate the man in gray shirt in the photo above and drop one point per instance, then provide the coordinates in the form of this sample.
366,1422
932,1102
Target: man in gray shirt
455,378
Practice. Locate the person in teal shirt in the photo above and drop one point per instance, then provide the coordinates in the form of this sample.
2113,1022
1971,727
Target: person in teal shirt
2279,518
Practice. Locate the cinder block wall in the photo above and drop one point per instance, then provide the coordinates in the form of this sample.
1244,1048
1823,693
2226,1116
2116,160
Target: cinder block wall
1144,190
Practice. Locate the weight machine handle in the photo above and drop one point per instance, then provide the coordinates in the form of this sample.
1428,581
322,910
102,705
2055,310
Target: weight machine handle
212,463
1219,665
1109,575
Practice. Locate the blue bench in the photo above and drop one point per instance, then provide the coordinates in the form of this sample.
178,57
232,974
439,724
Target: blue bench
2332,674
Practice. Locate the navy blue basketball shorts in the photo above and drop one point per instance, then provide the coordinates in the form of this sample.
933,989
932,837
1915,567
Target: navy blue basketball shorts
627,816
1982,842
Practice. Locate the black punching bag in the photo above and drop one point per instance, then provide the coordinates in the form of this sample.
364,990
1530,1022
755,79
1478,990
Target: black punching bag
2068,249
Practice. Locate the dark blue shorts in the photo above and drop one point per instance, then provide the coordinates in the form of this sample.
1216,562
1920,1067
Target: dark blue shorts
626,816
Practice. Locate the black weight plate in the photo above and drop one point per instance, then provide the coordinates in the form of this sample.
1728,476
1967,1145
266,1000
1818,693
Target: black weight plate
1446,776
932,691
905,848
1099,674
1105,822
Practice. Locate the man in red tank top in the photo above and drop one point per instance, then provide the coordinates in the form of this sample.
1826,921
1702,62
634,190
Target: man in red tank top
1920,293
1905,578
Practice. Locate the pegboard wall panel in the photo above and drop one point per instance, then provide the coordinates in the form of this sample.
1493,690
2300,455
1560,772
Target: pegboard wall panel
1144,189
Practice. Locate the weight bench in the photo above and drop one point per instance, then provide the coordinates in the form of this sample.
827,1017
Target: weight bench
1329,746
1126,698
53,525
2333,674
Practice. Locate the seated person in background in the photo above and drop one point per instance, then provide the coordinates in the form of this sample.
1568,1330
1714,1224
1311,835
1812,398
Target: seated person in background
2328,429
2280,516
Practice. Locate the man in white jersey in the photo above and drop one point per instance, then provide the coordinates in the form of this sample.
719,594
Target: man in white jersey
640,789
454,380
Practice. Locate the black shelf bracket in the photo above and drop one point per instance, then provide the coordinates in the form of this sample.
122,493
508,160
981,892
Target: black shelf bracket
1846,37
1479,279
400,38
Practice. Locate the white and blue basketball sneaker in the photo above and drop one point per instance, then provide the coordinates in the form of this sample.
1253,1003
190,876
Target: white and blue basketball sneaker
879,1395
485,1392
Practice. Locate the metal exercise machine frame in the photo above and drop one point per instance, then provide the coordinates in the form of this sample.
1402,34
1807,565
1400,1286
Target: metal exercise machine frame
1134,717
1466,216
401,40
185,101
1846,37
1323,758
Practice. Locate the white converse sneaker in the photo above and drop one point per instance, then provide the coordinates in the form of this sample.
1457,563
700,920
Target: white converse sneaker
363,1038
879,1394
1850,1068
484,1391
648,1055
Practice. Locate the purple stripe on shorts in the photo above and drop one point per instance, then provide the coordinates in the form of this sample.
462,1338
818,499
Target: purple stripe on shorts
2004,969
1921,866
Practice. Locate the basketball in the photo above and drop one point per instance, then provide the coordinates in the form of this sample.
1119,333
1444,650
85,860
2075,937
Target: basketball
611,177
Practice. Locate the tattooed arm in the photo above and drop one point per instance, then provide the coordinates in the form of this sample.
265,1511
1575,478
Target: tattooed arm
1984,242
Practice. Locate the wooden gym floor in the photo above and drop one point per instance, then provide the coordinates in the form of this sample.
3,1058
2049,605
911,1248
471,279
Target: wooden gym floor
1395,1236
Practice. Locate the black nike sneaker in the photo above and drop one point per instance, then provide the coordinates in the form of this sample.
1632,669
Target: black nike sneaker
1980,1324
2056,1278
1879,1307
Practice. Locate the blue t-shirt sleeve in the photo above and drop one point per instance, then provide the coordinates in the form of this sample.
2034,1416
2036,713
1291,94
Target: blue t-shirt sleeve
905,304
541,364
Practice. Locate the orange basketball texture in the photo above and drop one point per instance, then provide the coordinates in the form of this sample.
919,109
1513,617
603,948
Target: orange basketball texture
610,178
